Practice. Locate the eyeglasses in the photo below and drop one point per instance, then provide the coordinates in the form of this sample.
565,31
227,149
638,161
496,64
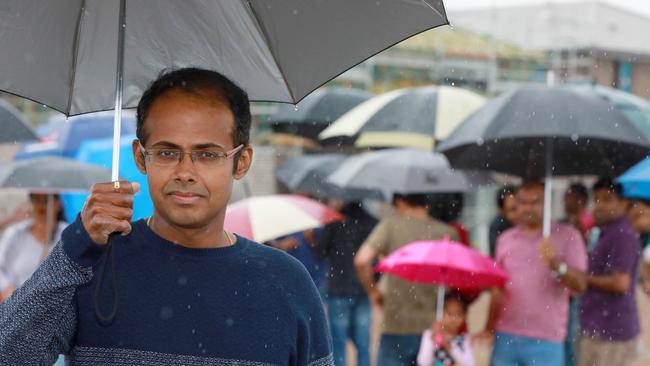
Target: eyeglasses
170,157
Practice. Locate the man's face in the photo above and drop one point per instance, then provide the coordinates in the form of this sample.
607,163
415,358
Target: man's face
608,206
530,205
509,210
639,214
190,195
573,202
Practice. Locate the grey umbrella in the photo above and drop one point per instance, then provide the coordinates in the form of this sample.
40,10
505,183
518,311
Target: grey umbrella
65,54
51,175
309,174
13,125
314,113
399,171
540,131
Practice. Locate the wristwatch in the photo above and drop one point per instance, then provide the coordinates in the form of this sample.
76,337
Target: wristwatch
561,270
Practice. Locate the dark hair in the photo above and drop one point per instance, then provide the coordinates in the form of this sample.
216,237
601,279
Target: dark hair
413,199
579,190
446,207
610,185
207,84
505,191
458,296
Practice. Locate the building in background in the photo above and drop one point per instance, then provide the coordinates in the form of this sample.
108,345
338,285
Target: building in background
586,42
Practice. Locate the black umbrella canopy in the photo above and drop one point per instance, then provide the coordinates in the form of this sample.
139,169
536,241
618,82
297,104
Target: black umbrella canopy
13,125
314,113
514,132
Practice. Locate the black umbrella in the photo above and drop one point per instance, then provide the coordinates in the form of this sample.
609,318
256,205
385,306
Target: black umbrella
314,113
309,174
540,131
13,125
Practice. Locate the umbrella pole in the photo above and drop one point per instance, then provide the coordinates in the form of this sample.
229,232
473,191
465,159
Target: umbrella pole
119,77
109,252
548,188
49,224
440,303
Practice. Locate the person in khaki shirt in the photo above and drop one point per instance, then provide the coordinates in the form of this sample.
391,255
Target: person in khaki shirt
408,308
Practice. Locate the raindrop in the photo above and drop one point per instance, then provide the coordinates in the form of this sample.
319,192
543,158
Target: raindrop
479,141
574,137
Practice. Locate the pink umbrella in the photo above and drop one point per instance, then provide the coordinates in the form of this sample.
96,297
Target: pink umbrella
445,263
265,218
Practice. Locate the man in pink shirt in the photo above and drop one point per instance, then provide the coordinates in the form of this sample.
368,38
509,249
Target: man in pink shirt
529,317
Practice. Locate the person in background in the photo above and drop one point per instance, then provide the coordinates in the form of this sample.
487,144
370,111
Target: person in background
348,307
639,215
609,314
447,207
446,343
302,246
576,198
408,308
529,317
506,216
20,213
575,209
25,244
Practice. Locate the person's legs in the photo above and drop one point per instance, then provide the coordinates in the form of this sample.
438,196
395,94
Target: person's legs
594,352
339,311
360,333
398,350
536,352
505,350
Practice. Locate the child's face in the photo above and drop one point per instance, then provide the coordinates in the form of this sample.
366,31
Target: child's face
454,316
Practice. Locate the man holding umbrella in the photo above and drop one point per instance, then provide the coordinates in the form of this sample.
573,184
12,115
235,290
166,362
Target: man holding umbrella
530,317
184,290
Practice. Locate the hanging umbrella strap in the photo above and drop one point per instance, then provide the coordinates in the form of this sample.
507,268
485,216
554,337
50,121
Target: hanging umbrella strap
108,255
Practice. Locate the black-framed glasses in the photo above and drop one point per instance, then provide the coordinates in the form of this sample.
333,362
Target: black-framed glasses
171,157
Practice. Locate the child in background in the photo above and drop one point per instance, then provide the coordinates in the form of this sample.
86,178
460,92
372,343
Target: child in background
447,342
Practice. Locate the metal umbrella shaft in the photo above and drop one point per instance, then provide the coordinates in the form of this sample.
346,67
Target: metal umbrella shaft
108,254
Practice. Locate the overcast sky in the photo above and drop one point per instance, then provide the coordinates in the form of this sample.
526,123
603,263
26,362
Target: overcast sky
640,6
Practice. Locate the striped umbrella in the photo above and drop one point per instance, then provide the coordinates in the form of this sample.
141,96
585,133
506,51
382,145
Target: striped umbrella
266,218
411,117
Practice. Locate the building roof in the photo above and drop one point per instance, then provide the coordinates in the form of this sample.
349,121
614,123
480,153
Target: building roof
561,26
461,42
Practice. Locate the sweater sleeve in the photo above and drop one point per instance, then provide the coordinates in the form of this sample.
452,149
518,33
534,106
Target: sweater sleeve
38,322
313,344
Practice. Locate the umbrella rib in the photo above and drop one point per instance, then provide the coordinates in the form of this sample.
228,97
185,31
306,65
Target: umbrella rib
75,51
264,33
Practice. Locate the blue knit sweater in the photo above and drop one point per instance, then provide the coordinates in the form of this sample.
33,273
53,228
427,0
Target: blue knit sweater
245,304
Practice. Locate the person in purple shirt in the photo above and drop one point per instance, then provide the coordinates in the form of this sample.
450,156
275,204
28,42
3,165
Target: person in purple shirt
609,315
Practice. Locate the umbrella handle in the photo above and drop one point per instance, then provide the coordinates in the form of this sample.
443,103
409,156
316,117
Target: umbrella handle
440,303
108,255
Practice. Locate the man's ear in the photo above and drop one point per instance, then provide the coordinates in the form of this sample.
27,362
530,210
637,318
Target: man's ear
138,156
243,164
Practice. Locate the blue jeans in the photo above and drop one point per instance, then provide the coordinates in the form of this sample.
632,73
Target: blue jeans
512,350
349,317
398,350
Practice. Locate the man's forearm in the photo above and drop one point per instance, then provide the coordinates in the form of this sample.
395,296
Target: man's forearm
617,283
366,277
495,307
